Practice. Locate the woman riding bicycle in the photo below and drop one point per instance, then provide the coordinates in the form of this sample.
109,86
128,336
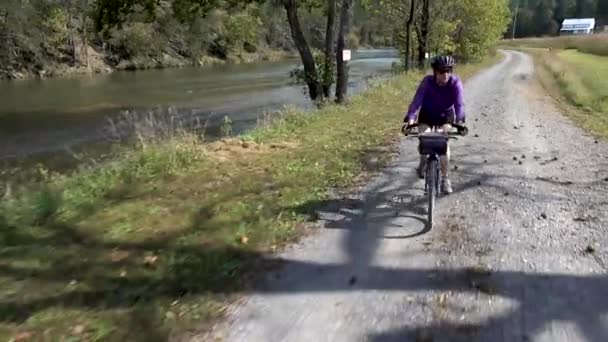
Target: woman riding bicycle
440,100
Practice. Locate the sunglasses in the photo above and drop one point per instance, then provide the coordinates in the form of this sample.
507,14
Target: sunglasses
444,71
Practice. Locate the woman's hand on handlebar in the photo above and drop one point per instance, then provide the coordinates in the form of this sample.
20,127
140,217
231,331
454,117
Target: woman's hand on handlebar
408,127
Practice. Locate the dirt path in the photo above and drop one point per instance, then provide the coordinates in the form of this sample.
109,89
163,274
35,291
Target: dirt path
519,253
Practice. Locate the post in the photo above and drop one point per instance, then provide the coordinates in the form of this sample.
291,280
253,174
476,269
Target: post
515,20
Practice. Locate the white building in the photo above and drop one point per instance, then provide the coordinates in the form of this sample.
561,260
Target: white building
577,26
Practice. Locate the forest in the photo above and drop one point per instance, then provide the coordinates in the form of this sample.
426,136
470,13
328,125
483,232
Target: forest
537,18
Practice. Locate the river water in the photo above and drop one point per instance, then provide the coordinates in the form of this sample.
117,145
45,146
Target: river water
46,116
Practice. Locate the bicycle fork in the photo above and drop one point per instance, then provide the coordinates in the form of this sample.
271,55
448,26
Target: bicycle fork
432,168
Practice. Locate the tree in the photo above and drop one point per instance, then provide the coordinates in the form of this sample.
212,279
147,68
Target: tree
585,8
422,31
342,68
408,34
543,18
564,9
443,23
401,15
602,11
329,48
481,24
315,89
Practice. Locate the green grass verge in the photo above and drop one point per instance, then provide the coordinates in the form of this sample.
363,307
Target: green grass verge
596,44
579,80
152,243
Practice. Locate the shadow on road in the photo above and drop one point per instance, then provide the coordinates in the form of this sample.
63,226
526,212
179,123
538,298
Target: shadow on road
542,299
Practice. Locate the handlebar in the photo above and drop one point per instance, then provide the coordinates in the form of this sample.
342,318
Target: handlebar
462,130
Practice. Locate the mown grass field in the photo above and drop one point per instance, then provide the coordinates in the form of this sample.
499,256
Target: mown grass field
596,44
152,243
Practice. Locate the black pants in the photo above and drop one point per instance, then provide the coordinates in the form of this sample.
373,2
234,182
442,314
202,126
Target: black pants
445,118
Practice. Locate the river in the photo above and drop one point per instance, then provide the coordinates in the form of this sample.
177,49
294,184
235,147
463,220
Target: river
46,116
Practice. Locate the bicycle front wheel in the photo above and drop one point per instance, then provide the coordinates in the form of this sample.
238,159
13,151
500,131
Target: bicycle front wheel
431,188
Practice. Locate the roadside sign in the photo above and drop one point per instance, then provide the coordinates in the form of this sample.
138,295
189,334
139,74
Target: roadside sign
346,55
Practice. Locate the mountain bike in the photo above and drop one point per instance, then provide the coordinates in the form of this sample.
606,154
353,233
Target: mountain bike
433,143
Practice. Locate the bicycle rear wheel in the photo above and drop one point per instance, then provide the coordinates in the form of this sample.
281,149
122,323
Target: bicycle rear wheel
431,188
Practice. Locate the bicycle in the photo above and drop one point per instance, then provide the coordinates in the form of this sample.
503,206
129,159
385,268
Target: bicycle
433,143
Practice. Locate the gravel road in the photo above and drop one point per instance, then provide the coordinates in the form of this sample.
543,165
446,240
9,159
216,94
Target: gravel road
519,253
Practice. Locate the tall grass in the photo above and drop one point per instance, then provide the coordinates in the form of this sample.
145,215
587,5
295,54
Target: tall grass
147,146
153,126
596,44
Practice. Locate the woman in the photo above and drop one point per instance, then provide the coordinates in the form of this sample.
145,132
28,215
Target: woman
440,100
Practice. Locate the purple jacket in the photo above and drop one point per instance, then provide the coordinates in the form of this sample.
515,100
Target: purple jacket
435,100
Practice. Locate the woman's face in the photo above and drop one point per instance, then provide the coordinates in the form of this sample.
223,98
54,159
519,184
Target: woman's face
442,76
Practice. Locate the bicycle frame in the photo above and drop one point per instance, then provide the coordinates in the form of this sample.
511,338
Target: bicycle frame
433,143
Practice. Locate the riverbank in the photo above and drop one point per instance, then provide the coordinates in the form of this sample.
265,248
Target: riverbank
152,243
97,64
577,81
54,121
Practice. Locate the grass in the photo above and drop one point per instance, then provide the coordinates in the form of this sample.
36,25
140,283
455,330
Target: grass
579,79
596,44
152,243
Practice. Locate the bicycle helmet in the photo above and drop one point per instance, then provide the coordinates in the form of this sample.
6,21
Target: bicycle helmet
442,62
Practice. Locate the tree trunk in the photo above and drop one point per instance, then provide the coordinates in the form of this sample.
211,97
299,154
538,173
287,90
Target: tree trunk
330,34
345,23
5,50
580,8
312,79
71,38
408,34
85,41
423,31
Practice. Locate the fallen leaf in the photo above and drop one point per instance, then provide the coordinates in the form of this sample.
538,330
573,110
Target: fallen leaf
150,260
79,329
244,239
443,299
123,273
23,336
118,256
